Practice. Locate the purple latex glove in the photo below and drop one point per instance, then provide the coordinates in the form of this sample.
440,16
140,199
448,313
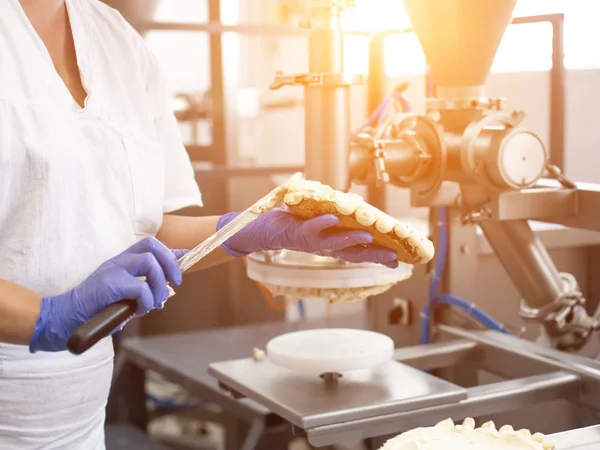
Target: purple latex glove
114,280
279,229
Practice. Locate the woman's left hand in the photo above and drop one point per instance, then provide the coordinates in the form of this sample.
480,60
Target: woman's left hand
279,229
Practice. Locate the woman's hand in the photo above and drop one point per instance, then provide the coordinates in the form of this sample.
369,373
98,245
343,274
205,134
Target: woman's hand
279,229
115,280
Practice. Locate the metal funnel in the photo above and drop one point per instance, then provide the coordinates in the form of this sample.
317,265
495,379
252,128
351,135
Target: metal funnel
460,37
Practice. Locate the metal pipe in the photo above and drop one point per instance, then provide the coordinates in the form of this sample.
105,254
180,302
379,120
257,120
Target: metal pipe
220,145
376,93
401,160
525,259
327,112
557,94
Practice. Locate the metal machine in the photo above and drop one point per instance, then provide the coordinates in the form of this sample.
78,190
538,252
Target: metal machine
466,152
468,156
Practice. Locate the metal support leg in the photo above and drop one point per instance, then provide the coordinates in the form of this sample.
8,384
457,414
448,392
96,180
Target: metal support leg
525,259
276,437
119,364
127,399
326,114
375,443
233,428
254,434
260,436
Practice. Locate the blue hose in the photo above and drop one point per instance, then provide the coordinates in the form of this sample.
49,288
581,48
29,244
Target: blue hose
473,311
301,309
168,404
376,114
383,113
438,271
440,264
436,299
403,101
401,98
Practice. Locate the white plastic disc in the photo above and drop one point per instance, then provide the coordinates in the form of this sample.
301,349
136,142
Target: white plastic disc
330,350
294,269
522,158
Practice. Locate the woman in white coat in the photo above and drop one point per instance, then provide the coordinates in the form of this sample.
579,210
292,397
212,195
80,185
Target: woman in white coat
91,166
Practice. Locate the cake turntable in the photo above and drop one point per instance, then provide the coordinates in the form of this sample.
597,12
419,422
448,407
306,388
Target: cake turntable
307,375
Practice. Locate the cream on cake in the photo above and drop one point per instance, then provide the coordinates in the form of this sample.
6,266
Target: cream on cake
258,354
308,199
448,436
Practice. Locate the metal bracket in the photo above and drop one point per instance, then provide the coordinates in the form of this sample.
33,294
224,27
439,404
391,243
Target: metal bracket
476,103
316,79
557,174
400,314
382,176
570,298
473,216
331,379
571,325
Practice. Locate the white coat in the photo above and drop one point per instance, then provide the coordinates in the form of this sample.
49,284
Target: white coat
77,186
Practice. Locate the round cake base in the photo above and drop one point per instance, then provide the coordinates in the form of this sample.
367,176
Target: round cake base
334,350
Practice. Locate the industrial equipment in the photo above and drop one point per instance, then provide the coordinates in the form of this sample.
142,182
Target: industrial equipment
473,164
465,152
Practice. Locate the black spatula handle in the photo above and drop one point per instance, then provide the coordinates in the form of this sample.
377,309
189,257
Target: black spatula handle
99,326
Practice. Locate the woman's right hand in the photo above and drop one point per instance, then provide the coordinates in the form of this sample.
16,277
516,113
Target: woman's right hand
115,280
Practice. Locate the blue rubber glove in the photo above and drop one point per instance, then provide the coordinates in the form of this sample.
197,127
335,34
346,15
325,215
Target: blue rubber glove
114,280
279,229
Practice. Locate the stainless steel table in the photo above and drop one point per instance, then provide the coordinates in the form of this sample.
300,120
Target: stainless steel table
529,375
307,401
184,358
532,375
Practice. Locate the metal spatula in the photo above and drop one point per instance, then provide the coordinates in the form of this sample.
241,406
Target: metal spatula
116,314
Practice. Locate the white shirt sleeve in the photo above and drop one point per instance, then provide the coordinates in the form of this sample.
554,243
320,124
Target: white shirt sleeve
181,189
